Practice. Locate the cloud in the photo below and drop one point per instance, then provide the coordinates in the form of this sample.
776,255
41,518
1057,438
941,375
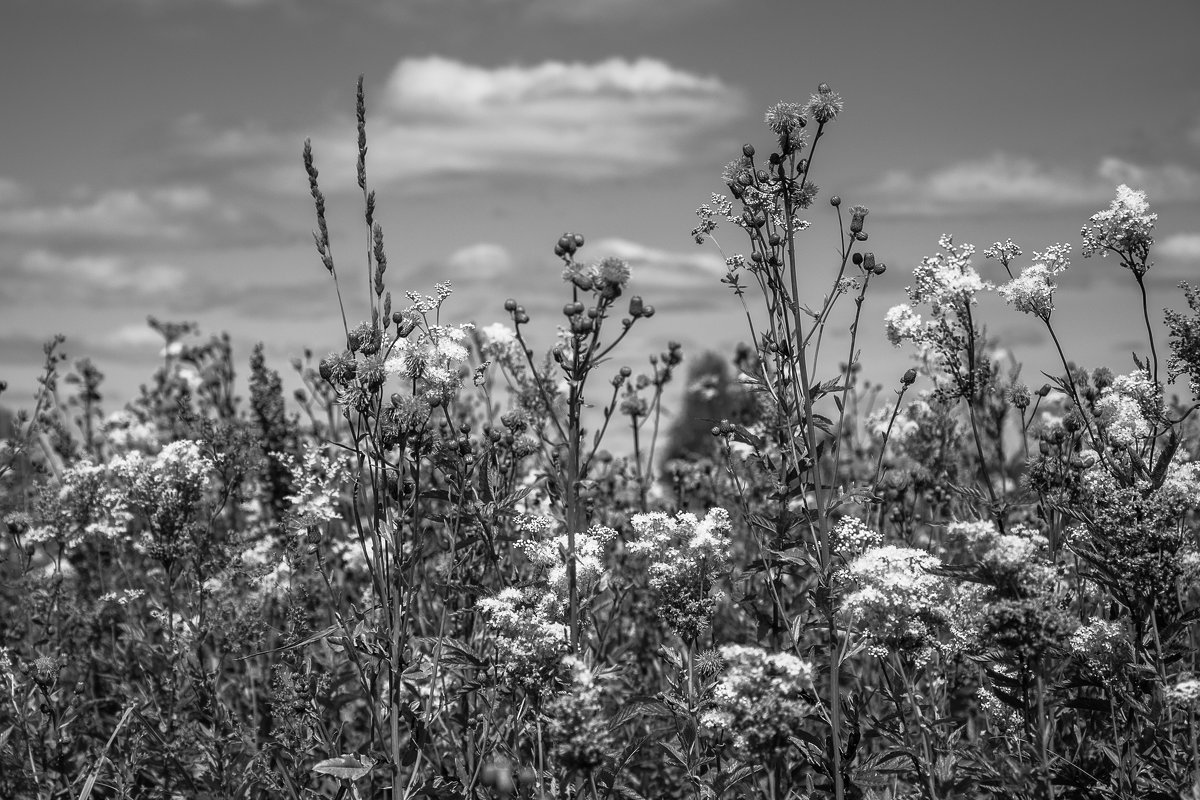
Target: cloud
1004,180
45,271
663,269
1181,247
112,214
437,118
10,190
478,262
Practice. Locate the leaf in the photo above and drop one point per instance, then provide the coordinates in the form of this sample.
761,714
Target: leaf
345,767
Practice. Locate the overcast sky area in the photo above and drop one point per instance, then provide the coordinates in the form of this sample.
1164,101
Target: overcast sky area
150,160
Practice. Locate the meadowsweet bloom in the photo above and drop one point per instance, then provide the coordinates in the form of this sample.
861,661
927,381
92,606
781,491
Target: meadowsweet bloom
316,478
164,494
898,604
499,342
1123,405
529,635
1005,719
1032,292
86,504
1185,693
579,733
760,701
946,278
551,555
1126,228
125,431
686,555
902,323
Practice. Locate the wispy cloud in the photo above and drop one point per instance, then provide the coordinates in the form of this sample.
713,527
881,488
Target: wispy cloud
146,215
440,118
656,269
1003,180
47,273
1180,247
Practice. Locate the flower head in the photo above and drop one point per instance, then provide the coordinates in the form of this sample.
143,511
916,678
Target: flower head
1126,227
761,700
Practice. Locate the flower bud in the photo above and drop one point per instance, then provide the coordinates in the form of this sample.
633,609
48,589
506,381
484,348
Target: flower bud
636,307
868,262
857,258
1045,390
648,312
909,377
748,150
578,239
835,201
510,305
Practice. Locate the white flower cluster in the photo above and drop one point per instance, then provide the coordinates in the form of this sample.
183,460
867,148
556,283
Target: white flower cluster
852,537
551,555
1126,226
436,360
165,492
677,547
500,344
316,479
898,602
1032,292
903,324
946,278
125,431
1100,644
530,637
1122,407
1184,694
760,700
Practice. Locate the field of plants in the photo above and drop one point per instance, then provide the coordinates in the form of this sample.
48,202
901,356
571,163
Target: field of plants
427,574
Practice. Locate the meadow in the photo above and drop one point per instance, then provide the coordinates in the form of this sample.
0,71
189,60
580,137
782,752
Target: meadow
427,575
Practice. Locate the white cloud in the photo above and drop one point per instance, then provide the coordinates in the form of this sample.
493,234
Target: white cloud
662,269
88,273
1180,246
116,213
1007,180
478,262
437,118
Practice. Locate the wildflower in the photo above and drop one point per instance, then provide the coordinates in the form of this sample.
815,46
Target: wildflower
782,118
760,701
1124,228
530,638
685,556
435,361
165,495
1102,646
824,105
903,323
316,478
1004,252
1032,292
898,603
1121,408
551,555
612,275
1185,693
946,278
851,537
579,733
125,431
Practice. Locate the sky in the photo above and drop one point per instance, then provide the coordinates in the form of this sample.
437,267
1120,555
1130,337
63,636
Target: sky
150,160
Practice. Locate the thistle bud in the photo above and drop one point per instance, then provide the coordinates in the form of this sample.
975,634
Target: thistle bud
857,258
648,312
868,262
748,150
909,377
510,305
636,306
835,201
1045,390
